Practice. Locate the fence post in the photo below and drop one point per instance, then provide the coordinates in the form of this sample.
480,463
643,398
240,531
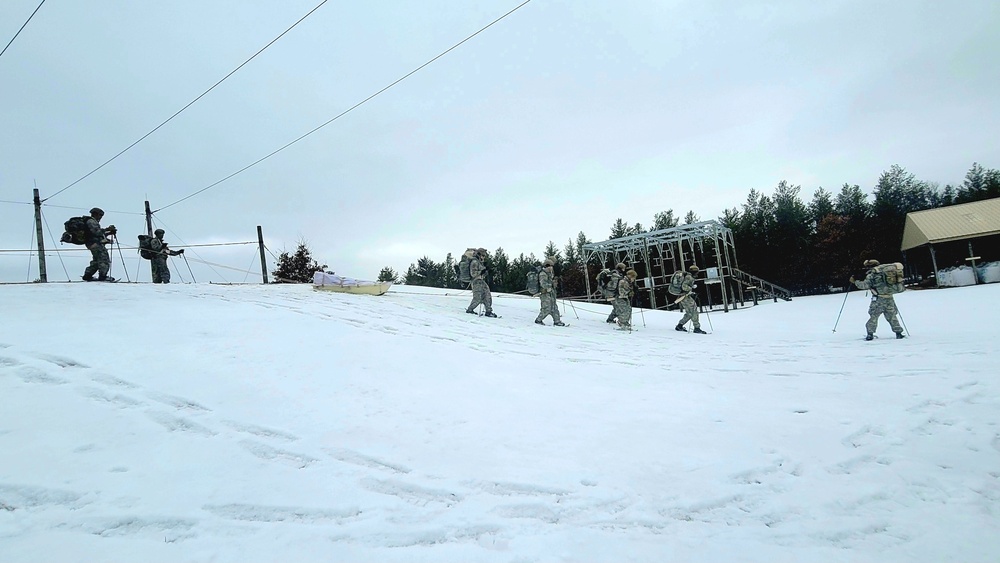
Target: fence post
263,261
42,274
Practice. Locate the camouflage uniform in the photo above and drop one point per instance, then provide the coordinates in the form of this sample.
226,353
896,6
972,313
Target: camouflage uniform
881,305
480,290
622,302
547,296
609,294
688,304
158,263
100,262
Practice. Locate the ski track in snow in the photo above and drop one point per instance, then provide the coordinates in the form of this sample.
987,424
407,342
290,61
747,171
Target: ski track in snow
497,511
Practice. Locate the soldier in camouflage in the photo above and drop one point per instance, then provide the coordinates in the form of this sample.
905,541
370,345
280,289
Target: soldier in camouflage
97,237
622,303
615,276
161,273
687,302
882,303
547,282
480,289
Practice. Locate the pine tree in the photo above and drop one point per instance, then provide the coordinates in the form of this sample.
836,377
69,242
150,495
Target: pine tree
296,268
665,220
619,229
387,274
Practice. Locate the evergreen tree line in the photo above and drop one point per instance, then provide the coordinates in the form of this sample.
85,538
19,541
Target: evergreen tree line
805,247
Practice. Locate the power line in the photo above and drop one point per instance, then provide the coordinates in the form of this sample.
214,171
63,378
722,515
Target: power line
22,28
178,112
349,110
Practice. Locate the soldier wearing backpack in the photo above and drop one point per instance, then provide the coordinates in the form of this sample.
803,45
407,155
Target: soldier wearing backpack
882,301
682,284
480,289
96,238
547,282
158,261
622,301
607,282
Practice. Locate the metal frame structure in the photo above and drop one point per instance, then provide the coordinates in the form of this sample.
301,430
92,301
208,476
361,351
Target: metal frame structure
656,255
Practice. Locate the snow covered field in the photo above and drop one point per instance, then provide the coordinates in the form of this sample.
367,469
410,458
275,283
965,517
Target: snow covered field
276,423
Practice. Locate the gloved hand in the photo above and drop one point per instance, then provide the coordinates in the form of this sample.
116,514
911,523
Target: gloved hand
111,229
181,251
852,279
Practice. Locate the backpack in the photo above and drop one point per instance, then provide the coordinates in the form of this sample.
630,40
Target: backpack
676,283
145,248
76,231
889,278
532,283
462,268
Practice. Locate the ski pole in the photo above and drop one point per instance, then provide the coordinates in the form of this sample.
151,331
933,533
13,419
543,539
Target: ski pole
642,314
901,321
184,256
574,308
122,256
709,317
846,293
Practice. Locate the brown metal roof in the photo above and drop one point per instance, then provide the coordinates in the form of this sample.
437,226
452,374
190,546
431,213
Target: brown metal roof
955,222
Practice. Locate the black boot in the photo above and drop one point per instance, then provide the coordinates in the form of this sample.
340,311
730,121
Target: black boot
558,323
490,314
698,330
470,311
611,319
870,336
680,328
900,335
538,322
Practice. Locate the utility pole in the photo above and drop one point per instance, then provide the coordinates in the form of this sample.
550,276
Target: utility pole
263,261
42,275
149,220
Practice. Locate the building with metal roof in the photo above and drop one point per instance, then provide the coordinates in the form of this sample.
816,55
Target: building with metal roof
966,233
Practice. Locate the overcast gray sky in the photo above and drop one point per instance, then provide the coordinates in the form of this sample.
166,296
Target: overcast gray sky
561,118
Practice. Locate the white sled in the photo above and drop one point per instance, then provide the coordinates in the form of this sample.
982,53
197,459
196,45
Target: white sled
340,284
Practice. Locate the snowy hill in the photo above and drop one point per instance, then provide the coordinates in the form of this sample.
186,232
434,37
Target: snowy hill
276,423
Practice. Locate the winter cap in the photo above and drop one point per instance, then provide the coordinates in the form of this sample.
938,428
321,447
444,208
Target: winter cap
620,266
159,232
97,211
481,251
693,268
550,262
631,274
870,263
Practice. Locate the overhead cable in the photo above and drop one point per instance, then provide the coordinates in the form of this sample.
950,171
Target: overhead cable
189,104
22,28
348,110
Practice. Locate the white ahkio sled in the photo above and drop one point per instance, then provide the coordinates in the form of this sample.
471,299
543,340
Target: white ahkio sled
332,282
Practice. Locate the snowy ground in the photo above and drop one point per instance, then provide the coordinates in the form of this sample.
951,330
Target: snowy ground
276,423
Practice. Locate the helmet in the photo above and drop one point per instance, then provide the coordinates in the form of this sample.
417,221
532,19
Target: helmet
97,211
870,263
158,232
694,268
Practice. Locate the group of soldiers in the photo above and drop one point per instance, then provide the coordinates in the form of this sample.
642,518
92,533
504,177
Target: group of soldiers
617,287
99,237
620,288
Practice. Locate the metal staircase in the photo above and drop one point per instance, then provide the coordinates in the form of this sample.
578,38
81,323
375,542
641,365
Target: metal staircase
764,288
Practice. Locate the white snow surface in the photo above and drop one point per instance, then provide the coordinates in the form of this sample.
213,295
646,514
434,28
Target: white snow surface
278,423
